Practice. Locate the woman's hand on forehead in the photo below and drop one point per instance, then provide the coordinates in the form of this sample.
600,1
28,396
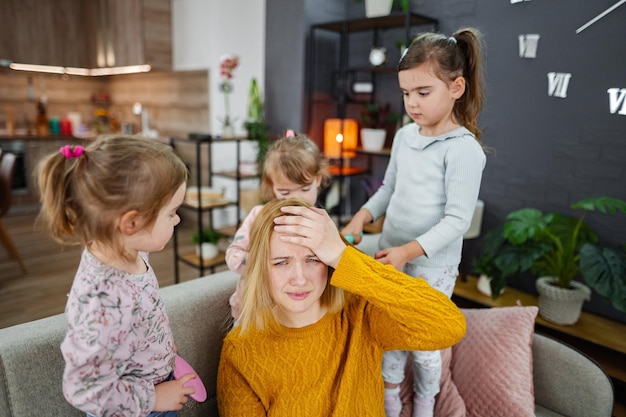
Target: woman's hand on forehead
314,229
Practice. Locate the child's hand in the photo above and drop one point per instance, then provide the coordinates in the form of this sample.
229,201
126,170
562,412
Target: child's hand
353,233
398,256
355,226
173,395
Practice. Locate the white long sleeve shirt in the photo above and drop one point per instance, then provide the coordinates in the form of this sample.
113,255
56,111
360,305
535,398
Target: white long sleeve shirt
429,193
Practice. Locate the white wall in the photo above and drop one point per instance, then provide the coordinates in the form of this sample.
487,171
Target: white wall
203,31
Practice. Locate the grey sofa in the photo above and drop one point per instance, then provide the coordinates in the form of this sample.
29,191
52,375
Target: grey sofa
31,365
567,383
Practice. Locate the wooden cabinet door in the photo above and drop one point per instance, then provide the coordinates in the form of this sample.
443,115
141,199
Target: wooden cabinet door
44,32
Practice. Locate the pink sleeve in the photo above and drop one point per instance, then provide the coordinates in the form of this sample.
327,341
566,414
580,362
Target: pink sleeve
237,252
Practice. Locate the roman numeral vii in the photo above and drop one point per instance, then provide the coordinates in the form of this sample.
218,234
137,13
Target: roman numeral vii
617,100
558,83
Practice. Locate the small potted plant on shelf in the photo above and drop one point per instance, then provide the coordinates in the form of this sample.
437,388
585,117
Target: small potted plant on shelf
206,243
375,8
557,248
257,129
376,119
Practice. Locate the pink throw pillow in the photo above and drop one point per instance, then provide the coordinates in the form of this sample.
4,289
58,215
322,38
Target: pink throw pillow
489,373
492,366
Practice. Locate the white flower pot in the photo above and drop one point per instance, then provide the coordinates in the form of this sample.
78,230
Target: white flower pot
373,139
207,250
484,285
375,8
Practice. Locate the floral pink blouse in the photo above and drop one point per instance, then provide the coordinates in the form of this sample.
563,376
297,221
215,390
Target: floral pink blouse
118,344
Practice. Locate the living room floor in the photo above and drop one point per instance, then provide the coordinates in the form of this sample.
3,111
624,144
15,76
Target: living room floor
42,291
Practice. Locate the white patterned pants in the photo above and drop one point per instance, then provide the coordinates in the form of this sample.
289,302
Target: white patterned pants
426,364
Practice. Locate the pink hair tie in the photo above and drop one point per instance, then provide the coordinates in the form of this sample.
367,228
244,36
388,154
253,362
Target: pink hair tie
70,151
290,134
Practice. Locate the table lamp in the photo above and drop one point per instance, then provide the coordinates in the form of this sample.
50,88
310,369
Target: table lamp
340,138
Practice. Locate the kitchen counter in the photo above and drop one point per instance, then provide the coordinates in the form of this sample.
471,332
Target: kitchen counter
29,150
28,137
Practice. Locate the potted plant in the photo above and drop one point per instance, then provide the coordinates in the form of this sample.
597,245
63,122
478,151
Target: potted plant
500,259
206,243
557,248
375,8
375,120
257,129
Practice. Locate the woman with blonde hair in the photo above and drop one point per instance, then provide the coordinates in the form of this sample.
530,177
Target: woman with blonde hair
317,316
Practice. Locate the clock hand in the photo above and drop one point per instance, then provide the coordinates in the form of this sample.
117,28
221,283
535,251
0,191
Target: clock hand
600,16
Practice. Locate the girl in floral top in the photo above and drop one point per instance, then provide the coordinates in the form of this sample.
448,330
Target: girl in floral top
118,197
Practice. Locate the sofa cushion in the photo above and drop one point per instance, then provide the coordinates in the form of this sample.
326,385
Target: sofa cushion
489,372
492,366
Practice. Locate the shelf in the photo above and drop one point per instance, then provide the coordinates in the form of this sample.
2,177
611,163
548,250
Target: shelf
346,171
394,20
211,204
382,152
203,145
229,230
376,70
594,335
194,260
235,175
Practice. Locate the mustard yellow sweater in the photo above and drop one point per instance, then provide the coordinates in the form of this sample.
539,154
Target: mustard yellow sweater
333,367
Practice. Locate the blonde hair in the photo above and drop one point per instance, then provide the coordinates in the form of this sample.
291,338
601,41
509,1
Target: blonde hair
455,56
82,196
257,302
296,158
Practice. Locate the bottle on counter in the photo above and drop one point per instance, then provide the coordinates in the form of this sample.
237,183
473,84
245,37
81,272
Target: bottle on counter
41,122
66,126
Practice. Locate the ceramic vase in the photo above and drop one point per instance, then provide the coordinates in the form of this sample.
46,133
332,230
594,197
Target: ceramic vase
375,8
484,285
207,250
373,139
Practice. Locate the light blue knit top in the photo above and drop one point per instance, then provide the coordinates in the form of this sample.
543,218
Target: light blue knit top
429,193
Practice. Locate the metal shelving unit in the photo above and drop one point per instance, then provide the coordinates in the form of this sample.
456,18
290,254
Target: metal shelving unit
203,144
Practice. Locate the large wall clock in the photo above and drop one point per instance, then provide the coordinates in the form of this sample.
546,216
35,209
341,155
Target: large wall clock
558,82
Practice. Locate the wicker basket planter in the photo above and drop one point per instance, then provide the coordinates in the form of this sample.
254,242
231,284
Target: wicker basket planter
561,305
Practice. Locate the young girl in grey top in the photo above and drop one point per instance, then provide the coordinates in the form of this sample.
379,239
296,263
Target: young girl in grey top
431,185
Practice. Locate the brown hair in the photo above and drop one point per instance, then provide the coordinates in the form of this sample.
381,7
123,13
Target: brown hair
452,57
296,158
257,300
83,196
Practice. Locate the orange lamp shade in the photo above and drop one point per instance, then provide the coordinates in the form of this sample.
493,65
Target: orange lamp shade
340,133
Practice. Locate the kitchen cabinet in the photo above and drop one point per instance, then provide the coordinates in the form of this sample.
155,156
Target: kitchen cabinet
87,33
44,32
130,32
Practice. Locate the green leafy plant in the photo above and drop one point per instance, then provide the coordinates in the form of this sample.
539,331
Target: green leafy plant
500,259
558,246
257,129
377,116
208,236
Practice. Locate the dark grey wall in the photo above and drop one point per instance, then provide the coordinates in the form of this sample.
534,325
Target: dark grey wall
549,152
287,26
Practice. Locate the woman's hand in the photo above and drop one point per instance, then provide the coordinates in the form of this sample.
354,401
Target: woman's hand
314,229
